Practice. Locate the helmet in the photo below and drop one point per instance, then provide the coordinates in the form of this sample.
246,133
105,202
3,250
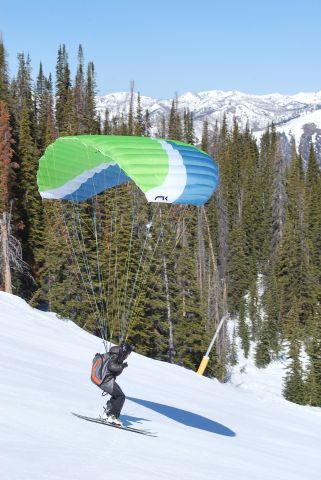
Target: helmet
114,350
124,350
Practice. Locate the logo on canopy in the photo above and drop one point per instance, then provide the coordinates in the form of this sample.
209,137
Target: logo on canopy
165,199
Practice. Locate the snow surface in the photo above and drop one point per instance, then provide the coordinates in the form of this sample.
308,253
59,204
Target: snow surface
295,128
241,430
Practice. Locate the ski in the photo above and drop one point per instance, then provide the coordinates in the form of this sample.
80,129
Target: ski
103,422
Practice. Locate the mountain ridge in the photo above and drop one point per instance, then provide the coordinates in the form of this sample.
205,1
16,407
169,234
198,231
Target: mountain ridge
257,111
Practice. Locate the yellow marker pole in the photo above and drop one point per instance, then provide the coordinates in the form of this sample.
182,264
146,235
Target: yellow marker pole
203,365
205,359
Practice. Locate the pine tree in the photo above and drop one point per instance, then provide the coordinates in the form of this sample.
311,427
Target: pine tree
233,351
279,197
91,120
243,329
107,128
312,214
271,327
158,308
79,94
263,346
174,123
250,201
220,150
162,127
253,309
121,234
131,123
233,185
238,269
122,127
139,127
44,109
64,267
189,135
294,271
40,92
4,77
294,388
6,154
24,95
313,384
205,137
171,121
115,121
30,199
50,132
27,205
147,124
64,111
268,151
190,334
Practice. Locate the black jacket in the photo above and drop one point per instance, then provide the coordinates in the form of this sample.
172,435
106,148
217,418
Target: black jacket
115,366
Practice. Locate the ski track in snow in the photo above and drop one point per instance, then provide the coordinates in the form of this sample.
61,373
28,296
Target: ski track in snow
241,430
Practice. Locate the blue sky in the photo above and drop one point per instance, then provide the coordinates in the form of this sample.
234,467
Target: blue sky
169,46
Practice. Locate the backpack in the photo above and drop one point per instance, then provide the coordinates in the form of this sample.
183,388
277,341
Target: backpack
98,370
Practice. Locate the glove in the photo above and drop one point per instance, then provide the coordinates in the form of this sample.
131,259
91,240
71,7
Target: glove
125,364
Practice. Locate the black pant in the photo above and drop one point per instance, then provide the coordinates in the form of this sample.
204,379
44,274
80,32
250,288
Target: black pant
116,402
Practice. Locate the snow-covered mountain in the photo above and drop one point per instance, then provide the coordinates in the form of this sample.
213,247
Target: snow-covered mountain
241,430
298,115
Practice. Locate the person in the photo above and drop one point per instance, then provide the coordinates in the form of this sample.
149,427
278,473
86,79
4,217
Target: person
114,367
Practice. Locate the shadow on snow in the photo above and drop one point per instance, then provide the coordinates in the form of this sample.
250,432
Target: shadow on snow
129,421
189,419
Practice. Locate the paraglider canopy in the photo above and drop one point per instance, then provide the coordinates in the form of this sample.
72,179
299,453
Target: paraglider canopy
79,167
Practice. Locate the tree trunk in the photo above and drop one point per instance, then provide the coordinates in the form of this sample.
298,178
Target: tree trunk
201,253
5,255
171,351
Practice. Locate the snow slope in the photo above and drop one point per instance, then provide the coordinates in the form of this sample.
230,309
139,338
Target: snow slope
297,127
242,430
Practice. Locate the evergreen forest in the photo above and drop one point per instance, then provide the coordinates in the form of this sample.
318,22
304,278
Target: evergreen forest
162,276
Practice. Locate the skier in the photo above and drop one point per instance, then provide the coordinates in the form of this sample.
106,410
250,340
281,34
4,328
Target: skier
113,368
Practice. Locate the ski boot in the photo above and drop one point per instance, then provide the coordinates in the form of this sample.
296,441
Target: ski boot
114,421
105,415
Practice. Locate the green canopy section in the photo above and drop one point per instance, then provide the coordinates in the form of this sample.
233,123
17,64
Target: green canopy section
78,167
